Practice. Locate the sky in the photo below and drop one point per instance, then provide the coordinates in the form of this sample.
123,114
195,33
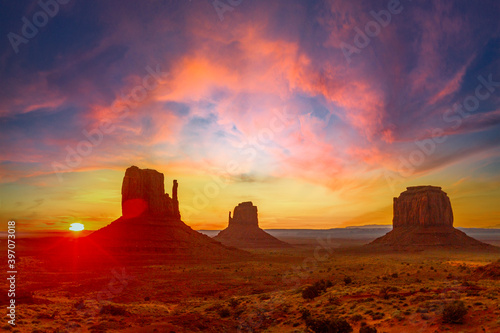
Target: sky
319,112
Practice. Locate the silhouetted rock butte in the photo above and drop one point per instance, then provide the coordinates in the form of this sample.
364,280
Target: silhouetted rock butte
151,222
422,206
143,194
243,230
423,217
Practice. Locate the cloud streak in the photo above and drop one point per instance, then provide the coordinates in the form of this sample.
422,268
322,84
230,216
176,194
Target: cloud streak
346,123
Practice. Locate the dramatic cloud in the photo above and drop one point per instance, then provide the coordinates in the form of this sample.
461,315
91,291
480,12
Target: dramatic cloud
354,99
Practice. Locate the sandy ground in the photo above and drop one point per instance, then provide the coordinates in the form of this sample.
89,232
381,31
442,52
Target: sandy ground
393,292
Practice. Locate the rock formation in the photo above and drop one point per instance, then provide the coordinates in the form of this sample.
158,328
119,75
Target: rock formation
422,206
143,195
243,230
245,215
151,222
423,217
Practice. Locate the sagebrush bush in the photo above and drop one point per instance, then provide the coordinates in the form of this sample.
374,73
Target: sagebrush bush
357,317
224,313
367,329
234,302
113,310
334,300
454,312
316,289
328,325
80,304
305,313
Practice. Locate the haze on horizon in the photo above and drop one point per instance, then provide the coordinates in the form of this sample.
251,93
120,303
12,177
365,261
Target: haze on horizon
265,102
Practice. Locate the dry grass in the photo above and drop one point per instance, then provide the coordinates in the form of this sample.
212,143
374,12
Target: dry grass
390,292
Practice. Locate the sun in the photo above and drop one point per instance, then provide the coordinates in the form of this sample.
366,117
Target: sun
76,227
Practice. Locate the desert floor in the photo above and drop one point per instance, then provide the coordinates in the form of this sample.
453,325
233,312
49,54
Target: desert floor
394,292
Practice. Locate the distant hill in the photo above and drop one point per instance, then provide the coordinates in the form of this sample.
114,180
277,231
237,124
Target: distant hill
367,232
370,226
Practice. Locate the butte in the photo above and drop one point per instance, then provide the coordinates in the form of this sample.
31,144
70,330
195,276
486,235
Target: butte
423,218
151,223
243,230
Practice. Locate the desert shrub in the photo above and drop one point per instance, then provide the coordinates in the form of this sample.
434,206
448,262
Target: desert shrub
422,310
310,292
454,312
395,275
224,313
425,316
347,280
377,315
466,283
45,315
334,300
305,313
357,317
327,283
330,325
285,307
397,315
214,307
234,302
384,292
471,293
113,310
79,305
365,328
316,289
103,326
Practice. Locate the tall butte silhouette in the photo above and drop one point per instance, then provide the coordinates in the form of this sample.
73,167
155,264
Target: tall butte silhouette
151,222
243,230
423,218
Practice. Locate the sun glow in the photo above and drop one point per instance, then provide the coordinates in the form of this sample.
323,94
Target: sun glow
76,227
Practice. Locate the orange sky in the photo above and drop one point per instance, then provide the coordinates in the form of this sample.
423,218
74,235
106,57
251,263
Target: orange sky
262,105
